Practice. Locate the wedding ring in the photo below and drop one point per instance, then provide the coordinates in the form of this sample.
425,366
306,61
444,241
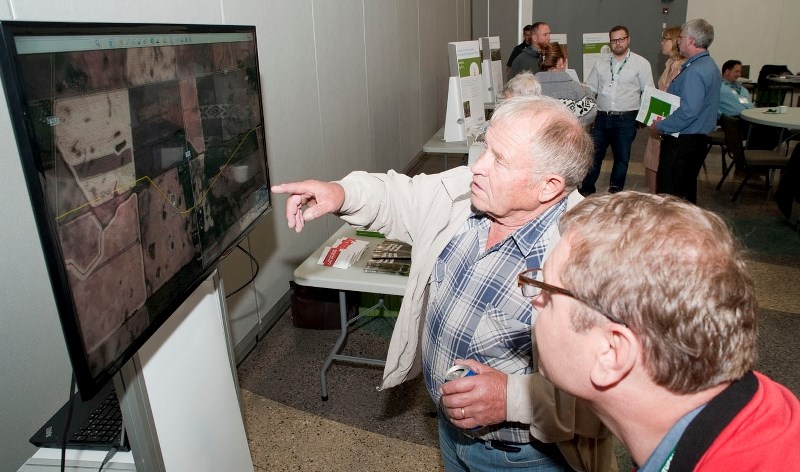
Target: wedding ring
462,413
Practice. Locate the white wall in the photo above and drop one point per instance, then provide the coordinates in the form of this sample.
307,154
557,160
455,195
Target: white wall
756,34
350,84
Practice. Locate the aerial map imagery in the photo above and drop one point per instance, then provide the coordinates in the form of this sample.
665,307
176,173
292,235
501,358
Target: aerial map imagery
153,162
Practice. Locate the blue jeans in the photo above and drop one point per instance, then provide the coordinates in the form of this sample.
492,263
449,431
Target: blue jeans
462,453
618,131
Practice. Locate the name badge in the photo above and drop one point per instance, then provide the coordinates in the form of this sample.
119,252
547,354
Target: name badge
744,101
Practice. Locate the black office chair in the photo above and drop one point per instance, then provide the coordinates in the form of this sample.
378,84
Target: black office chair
769,93
750,162
718,139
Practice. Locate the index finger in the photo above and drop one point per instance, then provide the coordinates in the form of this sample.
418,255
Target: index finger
291,187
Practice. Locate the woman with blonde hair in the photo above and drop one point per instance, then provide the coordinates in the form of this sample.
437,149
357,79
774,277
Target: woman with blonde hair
669,48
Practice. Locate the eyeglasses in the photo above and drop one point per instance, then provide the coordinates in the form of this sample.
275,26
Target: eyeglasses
532,288
618,40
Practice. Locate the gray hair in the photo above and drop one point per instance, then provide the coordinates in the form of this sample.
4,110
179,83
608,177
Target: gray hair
559,145
700,30
522,84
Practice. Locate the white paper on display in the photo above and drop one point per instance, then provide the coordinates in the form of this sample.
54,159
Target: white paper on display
595,45
468,56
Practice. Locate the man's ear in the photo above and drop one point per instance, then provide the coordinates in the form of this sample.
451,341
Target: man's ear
552,187
616,356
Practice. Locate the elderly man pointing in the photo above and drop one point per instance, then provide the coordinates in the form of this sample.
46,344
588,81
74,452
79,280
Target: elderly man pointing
472,231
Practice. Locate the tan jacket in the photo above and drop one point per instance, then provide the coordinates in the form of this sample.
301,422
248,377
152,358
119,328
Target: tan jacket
426,211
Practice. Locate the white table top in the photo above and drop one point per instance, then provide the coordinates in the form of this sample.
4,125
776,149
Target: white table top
437,145
311,274
789,79
790,119
49,459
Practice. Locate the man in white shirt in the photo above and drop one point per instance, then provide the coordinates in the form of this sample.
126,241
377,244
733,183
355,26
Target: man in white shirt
618,80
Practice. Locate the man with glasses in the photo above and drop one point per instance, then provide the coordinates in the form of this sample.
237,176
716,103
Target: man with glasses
618,80
647,311
472,231
698,86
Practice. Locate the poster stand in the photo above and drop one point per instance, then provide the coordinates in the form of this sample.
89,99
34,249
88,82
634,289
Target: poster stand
492,71
179,394
454,125
465,97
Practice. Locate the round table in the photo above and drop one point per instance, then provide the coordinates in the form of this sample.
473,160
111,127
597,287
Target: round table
790,119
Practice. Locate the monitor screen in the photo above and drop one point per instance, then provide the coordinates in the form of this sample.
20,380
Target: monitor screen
144,154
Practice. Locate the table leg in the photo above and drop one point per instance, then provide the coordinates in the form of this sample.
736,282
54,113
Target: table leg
336,347
334,354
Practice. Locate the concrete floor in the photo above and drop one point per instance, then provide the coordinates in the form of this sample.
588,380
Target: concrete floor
289,428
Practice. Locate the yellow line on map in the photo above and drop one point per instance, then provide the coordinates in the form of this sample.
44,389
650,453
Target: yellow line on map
118,190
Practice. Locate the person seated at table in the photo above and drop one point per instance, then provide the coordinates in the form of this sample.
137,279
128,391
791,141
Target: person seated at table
558,84
734,98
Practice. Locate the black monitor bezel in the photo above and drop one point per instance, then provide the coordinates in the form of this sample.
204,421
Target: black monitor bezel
11,76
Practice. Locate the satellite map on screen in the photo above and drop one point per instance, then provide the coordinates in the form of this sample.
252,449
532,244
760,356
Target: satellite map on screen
152,161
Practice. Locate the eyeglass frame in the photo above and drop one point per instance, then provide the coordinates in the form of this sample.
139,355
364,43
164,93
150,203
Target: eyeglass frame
523,280
618,40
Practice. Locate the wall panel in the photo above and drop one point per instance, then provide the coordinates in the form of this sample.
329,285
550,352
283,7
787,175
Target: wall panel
383,84
409,94
339,35
351,84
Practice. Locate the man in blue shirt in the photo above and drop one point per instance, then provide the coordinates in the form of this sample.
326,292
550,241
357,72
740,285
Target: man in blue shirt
698,86
733,97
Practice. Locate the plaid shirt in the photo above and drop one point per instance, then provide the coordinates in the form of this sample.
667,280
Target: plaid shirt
475,311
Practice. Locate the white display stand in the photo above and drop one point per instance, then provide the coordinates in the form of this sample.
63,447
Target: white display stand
454,126
492,71
464,100
179,397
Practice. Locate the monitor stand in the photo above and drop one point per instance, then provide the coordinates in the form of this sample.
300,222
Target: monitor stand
179,394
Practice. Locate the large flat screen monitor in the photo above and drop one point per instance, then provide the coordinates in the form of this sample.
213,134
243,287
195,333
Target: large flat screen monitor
144,154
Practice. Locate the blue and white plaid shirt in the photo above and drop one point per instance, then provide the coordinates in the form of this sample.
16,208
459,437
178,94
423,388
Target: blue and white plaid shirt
475,310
